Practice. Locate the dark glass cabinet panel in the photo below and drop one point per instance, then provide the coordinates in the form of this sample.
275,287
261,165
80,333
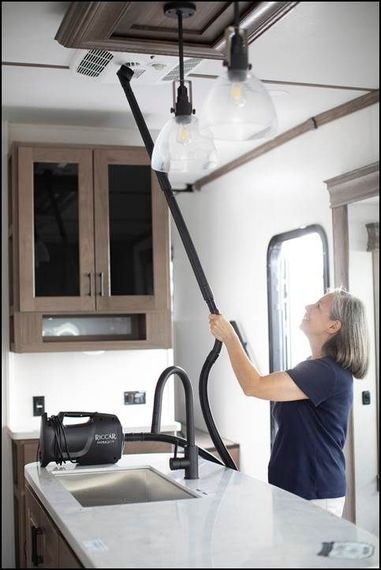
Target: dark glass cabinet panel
130,227
56,229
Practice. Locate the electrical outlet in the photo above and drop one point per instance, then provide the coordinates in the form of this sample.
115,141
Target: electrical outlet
135,397
365,397
38,405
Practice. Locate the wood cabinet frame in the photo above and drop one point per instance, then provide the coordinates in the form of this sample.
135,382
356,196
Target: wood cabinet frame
27,311
135,156
27,155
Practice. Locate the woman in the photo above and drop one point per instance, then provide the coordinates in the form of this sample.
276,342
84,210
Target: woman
313,399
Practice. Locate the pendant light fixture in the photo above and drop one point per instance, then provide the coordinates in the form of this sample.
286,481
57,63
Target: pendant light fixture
180,149
238,106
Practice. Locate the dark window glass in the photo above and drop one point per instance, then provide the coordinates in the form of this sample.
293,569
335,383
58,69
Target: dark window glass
131,256
56,229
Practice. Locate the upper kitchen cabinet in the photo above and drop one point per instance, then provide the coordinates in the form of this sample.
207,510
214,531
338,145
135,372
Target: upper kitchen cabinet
89,249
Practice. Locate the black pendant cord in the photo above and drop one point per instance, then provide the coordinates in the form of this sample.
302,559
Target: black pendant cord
181,51
125,74
236,17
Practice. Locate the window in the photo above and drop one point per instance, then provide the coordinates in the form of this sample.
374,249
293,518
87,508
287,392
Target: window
297,275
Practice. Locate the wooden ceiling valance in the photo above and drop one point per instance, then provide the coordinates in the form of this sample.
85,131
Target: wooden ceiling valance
142,27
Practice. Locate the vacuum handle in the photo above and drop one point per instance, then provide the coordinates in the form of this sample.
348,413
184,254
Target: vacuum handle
76,415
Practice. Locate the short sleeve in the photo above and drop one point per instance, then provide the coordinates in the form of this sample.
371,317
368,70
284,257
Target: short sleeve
316,378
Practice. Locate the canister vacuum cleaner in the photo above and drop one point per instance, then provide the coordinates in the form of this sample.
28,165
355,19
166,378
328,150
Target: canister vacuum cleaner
97,441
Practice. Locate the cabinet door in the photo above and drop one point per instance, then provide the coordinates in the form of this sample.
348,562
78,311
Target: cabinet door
131,232
41,536
56,247
66,557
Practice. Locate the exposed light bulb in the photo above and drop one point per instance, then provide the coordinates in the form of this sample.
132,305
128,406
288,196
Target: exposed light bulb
239,109
183,135
181,150
237,94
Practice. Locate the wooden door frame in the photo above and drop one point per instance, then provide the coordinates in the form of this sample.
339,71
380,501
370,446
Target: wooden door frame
346,189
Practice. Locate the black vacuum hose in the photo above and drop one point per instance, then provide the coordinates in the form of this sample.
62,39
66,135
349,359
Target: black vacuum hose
125,74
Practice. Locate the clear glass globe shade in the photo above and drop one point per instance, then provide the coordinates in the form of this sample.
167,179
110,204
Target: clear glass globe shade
238,110
182,151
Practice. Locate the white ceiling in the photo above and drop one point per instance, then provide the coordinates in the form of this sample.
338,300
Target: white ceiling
335,44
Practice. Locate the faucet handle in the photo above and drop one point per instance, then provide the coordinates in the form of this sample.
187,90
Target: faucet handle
189,462
178,463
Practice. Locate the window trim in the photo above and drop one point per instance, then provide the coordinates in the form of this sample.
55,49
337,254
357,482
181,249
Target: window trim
273,251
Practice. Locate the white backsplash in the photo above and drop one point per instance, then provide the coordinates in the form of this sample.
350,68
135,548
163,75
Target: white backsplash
77,381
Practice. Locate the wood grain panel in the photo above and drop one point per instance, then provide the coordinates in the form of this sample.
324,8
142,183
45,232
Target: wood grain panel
354,186
142,27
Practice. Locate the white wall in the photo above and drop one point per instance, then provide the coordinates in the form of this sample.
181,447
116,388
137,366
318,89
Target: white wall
231,222
364,417
71,381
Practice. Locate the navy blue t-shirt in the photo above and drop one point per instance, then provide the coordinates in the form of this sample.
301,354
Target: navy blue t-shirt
307,457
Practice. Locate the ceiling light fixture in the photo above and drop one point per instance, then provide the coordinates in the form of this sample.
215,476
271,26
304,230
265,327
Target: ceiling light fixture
238,106
180,149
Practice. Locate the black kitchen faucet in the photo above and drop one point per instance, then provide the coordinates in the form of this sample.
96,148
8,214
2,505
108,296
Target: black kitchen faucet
190,460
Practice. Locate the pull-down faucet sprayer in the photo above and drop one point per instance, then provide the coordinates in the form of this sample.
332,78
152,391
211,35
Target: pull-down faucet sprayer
190,460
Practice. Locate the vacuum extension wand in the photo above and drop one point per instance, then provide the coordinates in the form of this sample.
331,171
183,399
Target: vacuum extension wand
125,74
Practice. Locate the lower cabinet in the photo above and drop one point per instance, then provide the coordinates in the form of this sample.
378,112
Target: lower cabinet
45,546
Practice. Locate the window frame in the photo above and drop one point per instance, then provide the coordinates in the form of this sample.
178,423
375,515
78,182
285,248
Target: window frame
276,359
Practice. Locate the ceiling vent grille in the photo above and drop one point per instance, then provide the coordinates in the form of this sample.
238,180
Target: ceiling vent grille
174,74
102,66
94,62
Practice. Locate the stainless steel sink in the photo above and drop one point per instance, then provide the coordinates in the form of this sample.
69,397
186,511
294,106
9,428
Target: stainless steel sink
134,485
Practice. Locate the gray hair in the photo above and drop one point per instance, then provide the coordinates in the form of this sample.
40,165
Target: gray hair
350,346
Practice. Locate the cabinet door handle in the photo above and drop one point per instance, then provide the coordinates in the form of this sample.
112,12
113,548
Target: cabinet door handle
101,284
90,284
36,558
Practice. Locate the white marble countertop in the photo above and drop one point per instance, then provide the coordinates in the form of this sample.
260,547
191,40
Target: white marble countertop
236,522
